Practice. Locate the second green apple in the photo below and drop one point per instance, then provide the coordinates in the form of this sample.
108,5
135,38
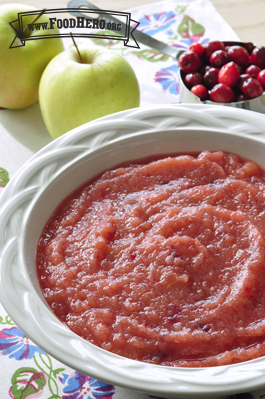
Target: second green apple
73,92
21,67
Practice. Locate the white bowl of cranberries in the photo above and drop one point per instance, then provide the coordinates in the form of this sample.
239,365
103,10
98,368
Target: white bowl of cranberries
223,72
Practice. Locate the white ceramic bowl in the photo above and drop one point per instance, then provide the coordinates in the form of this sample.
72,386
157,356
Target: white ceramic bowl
47,178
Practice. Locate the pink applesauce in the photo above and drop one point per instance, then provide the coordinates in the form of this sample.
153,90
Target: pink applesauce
163,262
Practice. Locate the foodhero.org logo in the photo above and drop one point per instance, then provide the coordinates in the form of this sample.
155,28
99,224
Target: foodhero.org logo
79,22
100,24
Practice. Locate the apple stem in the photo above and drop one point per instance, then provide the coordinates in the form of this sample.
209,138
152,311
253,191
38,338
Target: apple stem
34,20
77,49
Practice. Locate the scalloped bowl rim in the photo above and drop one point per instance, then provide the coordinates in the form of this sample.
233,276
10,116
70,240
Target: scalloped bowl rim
58,163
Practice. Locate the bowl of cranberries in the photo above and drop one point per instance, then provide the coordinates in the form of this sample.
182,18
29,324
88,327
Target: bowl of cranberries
227,73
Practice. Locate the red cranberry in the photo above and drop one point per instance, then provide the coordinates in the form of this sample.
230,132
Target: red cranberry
241,69
221,93
210,77
218,58
239,55
203,68
251,88
253,71
211,47
229,74
257,57
224,73
207,68
197,48
261,78
242,78
200,91
240,97
249,47
189,61
193,79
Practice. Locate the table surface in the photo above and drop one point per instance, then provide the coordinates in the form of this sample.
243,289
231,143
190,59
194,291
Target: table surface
246,17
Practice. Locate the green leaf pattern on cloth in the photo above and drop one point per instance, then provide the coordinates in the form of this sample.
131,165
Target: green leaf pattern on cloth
151,55
4,177
45,364
188,28
26,381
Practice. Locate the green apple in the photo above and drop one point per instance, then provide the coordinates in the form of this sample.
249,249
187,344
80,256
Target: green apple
73,92
21,67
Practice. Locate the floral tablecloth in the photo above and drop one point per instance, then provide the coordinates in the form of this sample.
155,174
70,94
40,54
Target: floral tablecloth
26,371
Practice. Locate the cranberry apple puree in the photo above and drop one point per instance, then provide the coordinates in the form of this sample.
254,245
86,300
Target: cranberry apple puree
163,261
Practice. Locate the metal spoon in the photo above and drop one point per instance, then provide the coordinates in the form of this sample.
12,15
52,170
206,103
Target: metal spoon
138,35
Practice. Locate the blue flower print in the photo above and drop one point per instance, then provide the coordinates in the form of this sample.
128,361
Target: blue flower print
151,24
80,386
14,344
168,78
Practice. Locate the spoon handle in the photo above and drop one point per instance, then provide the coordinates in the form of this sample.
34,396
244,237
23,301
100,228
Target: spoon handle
137,34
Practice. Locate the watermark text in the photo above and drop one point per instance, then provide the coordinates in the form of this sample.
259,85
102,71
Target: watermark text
103,24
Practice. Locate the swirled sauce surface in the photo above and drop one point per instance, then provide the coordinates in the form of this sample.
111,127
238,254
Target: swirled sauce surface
163,262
